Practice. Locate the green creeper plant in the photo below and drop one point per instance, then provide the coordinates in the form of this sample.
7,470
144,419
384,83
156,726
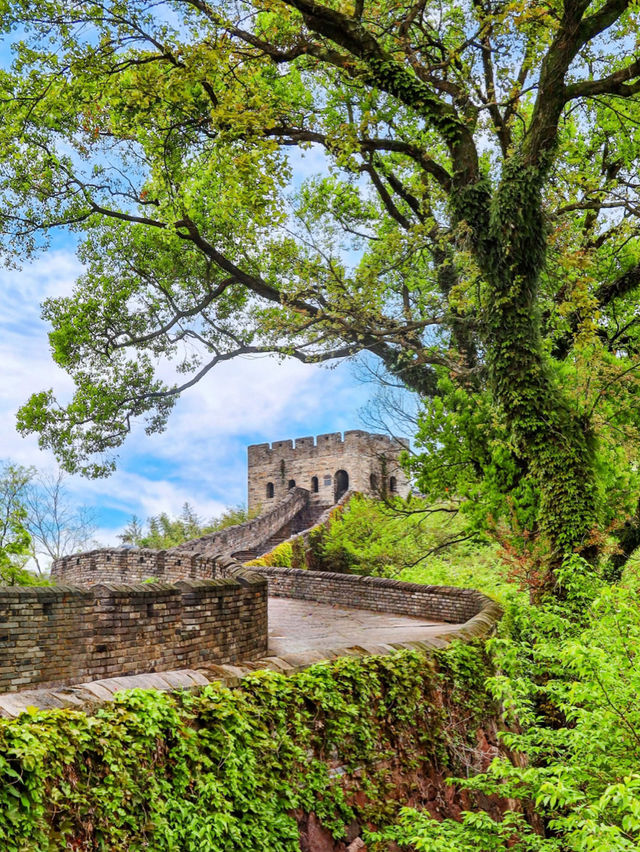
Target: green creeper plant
567,678
225,769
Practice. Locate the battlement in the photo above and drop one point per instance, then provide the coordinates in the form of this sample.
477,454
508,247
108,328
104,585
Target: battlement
322,444
326,465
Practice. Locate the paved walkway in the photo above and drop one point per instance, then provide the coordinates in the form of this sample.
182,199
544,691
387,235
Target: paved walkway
300,633
296,626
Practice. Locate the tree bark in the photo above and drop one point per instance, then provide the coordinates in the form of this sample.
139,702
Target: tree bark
552,437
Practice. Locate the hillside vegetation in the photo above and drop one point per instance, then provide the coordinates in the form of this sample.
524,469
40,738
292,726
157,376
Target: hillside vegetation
415,542
559,686
565,673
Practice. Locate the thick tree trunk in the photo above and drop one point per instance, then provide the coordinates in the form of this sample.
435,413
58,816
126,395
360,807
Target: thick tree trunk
547,432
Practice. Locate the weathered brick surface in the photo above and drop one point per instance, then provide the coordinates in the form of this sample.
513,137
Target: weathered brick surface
52,636
379,594
119,565
369,460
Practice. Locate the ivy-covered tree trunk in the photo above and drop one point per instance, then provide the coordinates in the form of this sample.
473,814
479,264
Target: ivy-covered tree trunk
553,439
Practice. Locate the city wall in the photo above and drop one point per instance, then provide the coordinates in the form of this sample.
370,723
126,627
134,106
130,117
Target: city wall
51,636
252,533
106,620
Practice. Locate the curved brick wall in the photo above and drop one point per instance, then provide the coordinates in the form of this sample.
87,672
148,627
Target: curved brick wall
476,613
196,559
215,611
51,636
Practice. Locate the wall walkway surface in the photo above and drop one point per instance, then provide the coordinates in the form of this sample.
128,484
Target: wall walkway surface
90,694
475,613
202,612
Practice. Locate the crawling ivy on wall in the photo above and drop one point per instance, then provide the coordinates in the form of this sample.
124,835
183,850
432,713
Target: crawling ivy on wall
226,769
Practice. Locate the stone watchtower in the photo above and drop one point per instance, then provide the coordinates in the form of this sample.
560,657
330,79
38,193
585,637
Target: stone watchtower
326,466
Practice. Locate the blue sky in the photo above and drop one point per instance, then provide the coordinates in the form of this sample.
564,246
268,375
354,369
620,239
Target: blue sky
202,455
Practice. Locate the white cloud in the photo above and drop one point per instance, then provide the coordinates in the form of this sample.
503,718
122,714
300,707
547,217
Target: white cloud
201,458
26,362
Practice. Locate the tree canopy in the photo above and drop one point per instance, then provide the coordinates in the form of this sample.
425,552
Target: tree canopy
472,221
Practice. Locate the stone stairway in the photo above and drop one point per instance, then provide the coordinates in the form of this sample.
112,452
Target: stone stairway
304,520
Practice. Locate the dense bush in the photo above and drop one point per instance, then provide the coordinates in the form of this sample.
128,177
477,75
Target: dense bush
281,556
412,542
224,769
568,681
568,676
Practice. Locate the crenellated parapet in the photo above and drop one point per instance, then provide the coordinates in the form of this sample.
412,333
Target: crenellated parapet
253,533
327,466
52,636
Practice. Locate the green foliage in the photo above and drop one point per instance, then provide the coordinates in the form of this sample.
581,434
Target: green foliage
465,455
163,531
417,542
476,830
281,556
569,683
14,535
223,769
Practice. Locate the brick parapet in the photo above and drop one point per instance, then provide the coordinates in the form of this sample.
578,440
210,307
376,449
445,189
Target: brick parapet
196,559
253,533
88,695
474,612
323,520
51,636
133,565
203,609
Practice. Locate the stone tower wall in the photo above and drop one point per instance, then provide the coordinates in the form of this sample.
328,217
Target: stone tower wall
371,461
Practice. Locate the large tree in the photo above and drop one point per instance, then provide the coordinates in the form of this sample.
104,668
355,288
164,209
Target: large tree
472,222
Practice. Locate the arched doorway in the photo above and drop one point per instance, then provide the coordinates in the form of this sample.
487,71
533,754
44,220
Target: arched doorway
341,480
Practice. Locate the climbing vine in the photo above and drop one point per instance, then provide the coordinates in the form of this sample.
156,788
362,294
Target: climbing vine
229,769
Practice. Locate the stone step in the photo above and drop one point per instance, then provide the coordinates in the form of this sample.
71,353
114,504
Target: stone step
303,521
